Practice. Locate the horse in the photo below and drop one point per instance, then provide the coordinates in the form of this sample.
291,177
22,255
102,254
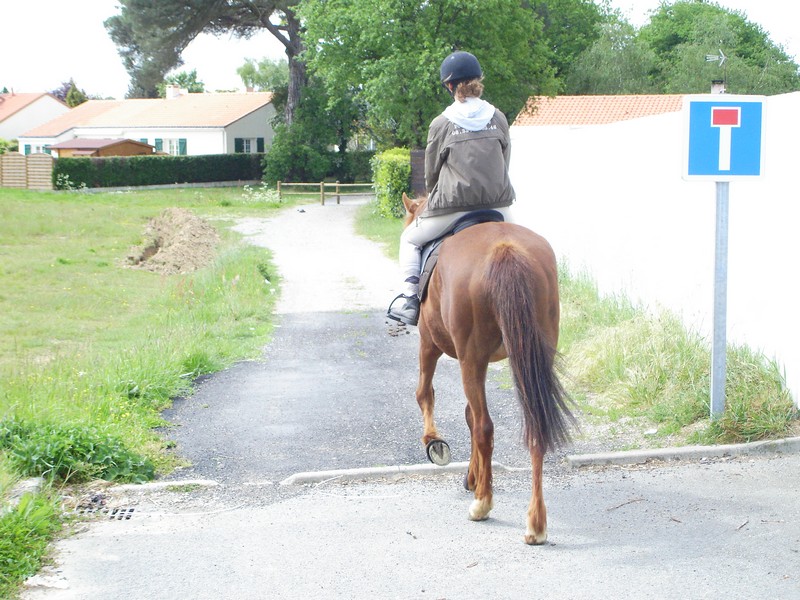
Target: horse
493,294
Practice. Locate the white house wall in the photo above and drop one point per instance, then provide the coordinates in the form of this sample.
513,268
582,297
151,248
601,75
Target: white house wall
254,125
611,201
34,114
199,140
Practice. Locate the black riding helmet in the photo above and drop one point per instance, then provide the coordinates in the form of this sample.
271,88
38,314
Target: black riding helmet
460,66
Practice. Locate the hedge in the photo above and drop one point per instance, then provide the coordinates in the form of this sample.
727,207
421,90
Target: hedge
123,171
391,172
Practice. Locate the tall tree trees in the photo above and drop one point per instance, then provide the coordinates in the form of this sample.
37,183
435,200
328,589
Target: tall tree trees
387,55
668,55
683,33
152,34
618,62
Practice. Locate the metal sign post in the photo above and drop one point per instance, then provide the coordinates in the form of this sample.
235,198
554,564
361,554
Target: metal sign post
719,343
724,141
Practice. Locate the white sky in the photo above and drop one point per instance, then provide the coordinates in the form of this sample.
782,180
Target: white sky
46,42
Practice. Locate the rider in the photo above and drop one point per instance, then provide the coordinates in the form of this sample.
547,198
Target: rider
466,169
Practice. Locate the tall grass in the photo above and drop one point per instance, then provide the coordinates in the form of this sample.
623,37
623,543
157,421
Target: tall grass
630,368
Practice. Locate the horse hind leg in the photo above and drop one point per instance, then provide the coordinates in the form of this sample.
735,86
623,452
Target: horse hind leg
536,532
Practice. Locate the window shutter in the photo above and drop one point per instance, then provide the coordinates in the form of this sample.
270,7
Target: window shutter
27,148
260,144
159,145
238,145
143,140
182,146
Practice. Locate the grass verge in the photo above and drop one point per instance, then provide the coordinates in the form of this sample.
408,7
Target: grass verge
638,372
91,351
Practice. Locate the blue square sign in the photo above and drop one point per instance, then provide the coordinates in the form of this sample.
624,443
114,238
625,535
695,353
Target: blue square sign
724,137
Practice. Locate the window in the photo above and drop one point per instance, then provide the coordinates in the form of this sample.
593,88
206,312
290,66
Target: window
173,146
248,145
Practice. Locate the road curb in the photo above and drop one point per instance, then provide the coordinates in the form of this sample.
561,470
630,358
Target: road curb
784,446
311,477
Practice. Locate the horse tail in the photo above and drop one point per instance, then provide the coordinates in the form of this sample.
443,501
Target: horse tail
531,356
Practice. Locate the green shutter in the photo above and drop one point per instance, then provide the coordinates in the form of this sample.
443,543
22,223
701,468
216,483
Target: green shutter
260,144
238,144
27,148
143,140
182,146
159,145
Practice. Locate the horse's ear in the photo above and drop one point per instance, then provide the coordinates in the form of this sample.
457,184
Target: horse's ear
409,204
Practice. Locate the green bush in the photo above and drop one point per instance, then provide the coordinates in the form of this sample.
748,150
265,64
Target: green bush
70,453
123,171
292,158
391,172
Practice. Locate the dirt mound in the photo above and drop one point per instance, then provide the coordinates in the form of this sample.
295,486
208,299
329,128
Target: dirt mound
176,242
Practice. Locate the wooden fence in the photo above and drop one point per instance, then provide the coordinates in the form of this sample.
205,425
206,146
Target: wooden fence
334,187
34,171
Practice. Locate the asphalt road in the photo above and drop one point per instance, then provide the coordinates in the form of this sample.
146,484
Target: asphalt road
335,391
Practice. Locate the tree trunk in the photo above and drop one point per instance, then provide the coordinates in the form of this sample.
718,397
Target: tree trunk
298,77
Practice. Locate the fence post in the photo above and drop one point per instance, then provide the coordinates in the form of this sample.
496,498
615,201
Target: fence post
322,192
280,197
337,192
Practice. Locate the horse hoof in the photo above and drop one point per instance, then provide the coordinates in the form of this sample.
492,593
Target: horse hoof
438,452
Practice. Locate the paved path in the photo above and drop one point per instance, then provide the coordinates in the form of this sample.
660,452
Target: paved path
336,391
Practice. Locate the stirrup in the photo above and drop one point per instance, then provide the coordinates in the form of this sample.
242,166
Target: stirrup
410,310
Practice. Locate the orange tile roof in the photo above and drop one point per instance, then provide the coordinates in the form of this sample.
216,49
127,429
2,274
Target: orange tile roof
594,110
191,110
13,103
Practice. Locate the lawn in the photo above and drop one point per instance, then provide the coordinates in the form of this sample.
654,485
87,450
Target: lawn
92,350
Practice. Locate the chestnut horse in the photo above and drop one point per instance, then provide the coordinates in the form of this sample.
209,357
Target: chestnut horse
494,295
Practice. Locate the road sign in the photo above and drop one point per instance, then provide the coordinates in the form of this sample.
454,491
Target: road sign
724,137
724,140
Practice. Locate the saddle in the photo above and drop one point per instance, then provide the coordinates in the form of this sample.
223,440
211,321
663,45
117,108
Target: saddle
430,251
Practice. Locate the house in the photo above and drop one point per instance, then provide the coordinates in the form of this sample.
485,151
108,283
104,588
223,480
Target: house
601,178
181,124
21,112
102,147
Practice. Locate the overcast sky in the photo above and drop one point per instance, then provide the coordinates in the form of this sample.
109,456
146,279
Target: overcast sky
46,42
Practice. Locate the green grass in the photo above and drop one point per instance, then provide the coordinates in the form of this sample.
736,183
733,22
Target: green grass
630,369
91,351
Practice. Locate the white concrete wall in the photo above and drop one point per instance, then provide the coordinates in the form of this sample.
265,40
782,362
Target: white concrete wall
610,199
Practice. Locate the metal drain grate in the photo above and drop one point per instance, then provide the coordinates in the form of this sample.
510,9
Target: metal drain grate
120,514
114,514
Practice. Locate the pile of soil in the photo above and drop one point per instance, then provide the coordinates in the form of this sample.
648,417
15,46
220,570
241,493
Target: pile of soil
175,242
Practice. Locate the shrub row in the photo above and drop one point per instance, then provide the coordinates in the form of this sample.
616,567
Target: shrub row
122,171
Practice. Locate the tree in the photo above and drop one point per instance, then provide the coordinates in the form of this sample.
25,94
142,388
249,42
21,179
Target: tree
186,81
616,63
569,27
75,96
265,75
683,33
151,36
387,55
268,76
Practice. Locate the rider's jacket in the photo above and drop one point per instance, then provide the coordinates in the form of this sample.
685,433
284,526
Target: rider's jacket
467,170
